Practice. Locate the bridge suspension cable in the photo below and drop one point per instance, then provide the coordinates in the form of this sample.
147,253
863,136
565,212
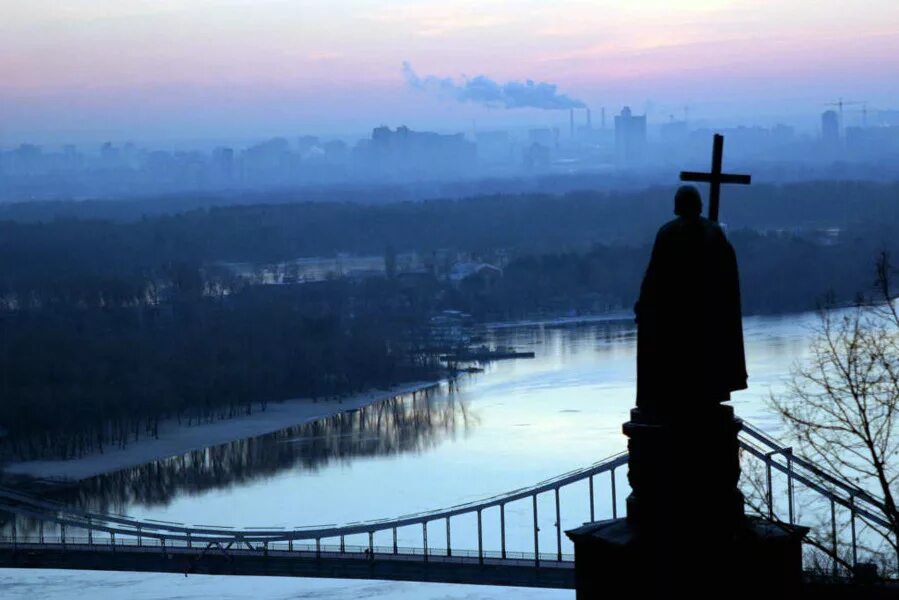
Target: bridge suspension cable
864,509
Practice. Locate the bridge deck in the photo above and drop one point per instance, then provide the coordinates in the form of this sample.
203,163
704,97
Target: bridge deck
346,565
117,542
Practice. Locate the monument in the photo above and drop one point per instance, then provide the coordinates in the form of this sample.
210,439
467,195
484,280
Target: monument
686,531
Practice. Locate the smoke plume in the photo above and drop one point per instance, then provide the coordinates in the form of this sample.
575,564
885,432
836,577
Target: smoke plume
487,92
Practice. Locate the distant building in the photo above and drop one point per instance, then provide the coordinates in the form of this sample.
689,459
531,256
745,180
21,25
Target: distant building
494,147
27,159
475,276
782,134
109,156
419,153
888,117
830,128
674,132
630,135
305,143
871,142
223,164
70,160
336,151
536,157
543,136
267,161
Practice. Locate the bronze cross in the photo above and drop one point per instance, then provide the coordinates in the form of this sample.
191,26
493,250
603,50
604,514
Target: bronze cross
716,177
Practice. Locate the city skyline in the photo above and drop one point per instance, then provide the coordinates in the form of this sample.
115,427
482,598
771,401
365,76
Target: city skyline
152,71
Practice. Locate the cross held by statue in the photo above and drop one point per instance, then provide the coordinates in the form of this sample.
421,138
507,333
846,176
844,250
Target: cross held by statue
715,178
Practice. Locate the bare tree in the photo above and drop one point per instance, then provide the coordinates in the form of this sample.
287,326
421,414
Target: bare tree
842,403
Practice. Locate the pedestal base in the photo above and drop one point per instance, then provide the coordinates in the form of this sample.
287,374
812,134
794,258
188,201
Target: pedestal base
688,465
762,560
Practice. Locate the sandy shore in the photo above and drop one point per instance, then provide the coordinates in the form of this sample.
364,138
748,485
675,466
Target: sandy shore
175,440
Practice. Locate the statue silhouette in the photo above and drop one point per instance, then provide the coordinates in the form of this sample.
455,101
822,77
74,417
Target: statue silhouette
689,324
687,532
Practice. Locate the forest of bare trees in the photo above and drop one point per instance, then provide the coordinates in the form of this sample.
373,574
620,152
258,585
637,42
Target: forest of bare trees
78,378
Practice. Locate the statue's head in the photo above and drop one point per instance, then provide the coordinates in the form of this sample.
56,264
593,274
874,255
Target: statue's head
687,201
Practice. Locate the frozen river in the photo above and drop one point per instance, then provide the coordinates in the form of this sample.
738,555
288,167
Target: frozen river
518,423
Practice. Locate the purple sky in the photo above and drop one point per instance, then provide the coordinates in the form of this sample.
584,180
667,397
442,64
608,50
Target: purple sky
80,70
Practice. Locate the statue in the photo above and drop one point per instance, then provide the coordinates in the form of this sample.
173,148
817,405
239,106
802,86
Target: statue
689,324
687,532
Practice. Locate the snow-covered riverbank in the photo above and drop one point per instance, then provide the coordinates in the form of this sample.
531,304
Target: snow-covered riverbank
48,584
177,439
621,316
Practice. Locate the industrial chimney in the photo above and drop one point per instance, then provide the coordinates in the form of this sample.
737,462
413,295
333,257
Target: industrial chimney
589,120
571,121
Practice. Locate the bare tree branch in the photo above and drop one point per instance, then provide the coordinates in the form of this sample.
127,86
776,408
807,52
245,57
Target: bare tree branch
842,404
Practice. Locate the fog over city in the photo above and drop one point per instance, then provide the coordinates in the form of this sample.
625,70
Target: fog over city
141,98
561,138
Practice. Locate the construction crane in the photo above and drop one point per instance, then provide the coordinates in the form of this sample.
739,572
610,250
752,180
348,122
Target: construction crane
686,109
864,111
840,103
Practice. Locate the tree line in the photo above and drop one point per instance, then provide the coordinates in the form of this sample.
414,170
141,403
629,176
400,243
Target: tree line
108,327
77,379
526,223
779,272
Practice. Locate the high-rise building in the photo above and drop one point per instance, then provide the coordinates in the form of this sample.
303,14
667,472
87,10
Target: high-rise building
223,163
830,128
419,152
630,135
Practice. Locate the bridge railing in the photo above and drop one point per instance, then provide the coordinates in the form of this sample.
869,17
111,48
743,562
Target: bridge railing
848,523
168,534
841,545
87,543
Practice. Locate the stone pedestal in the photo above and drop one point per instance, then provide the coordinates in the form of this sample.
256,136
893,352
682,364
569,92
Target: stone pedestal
687,464
685,531
761,560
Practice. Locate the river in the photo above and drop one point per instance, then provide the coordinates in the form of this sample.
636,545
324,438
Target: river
517,423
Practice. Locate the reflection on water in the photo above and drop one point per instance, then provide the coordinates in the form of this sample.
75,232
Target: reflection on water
407,423
517,423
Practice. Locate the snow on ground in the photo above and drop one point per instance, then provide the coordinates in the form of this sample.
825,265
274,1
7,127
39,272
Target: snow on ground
28,584
175,440
625,316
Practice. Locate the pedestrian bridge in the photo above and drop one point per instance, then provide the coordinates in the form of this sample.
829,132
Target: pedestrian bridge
846,521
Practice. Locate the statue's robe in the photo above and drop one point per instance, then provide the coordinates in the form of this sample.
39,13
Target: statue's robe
689,323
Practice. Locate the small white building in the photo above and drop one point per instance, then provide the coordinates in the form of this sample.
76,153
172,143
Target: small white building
483,274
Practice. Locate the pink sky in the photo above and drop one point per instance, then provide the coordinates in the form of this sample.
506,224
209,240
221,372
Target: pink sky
141,69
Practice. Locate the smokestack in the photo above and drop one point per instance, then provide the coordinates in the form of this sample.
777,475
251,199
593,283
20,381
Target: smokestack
589,121
603,118
571,120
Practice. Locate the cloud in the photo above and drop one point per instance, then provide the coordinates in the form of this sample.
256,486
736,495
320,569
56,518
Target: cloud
487,92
